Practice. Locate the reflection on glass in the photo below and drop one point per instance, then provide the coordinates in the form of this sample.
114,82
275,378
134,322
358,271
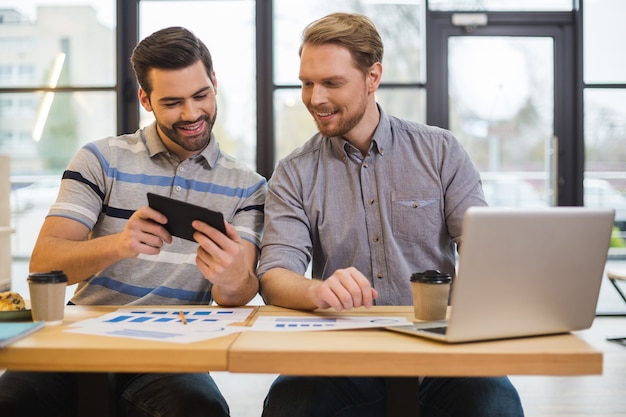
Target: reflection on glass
228,29
500,5
48,43
605,152
501,108
400,25
405,103
74,120
35,32
603,30
294,123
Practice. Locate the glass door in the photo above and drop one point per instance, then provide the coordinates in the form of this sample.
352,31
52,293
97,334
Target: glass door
502,83
501,106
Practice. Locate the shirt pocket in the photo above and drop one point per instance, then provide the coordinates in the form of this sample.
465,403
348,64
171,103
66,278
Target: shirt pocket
416,215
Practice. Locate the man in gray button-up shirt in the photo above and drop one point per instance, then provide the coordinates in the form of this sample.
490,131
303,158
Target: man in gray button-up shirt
388,211
368,200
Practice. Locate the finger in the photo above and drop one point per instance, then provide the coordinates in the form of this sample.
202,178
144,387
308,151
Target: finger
329,298
148,213
149,231
231,231
145,243
359,287
214,235
346,291
368,294
148,220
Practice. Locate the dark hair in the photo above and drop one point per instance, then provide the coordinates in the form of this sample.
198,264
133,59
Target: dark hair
170,49
354,31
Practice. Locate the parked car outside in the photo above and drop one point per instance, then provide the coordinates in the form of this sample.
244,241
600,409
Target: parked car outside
40,194
511,191
600,193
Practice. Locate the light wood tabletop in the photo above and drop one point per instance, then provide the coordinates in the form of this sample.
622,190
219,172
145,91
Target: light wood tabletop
335,352
54,349
384,353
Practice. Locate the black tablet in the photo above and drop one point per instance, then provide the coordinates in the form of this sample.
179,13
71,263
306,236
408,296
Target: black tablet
180,215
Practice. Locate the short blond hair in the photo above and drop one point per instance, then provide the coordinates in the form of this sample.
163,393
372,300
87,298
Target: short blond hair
354,31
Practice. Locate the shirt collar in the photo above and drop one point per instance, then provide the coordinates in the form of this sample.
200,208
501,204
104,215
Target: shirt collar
155,146
380,140
382,134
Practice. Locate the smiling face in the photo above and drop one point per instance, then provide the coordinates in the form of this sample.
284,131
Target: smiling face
338,95
184,105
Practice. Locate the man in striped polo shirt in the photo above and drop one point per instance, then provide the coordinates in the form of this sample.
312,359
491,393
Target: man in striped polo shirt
102,234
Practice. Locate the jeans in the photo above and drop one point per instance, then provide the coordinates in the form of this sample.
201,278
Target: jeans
366,397
53,394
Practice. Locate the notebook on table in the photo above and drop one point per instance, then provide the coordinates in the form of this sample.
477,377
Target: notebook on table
13,331
524,272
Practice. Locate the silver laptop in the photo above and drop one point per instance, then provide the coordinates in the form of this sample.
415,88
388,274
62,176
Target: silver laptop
524,272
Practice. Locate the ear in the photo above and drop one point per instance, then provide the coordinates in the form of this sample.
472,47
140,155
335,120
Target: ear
214,82
374,76
144,99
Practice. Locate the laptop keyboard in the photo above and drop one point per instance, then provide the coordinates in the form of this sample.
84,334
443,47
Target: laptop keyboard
438,330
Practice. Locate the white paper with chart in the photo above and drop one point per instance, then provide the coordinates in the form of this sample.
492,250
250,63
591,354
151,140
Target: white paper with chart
165,324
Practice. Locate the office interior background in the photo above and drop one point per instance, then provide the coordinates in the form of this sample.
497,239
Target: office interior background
535,89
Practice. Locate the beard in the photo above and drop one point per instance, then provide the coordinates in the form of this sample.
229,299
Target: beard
190,143
341,126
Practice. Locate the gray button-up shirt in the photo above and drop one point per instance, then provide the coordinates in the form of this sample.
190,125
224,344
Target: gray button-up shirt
395,211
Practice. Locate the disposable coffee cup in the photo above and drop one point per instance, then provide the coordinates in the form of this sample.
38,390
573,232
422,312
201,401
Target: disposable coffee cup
47,296
430,294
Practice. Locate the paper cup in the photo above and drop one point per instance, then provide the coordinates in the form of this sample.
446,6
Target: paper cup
430,294
47,296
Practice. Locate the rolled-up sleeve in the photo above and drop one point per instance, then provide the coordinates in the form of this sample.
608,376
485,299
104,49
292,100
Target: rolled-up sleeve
287,236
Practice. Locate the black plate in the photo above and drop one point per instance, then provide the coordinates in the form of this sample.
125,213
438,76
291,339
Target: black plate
17,315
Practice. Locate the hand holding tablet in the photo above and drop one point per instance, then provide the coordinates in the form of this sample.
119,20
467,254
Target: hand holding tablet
180,214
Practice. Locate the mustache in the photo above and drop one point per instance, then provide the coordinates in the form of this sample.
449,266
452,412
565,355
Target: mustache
185,123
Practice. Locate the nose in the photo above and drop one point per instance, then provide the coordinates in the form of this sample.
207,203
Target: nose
189,111
317,95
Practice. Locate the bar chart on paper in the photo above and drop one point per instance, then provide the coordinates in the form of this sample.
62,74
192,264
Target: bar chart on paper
165,324
303,323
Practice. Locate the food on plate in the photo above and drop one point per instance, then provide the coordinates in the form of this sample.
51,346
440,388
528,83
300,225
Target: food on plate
11,301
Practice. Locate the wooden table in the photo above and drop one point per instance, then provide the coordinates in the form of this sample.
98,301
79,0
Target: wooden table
372,352
379,352
53,349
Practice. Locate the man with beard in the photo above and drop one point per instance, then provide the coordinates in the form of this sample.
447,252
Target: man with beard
103,235
368,200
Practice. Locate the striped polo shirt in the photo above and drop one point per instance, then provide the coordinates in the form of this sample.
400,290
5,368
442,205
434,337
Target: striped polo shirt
107,181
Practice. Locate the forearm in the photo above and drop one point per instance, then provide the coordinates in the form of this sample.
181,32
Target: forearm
78,259
284,288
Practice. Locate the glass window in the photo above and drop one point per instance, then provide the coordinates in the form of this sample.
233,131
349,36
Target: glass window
73,120
227,27
502,110
406,103
35,32
50,44
603,30
295,125
605,152
500,5
399,23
